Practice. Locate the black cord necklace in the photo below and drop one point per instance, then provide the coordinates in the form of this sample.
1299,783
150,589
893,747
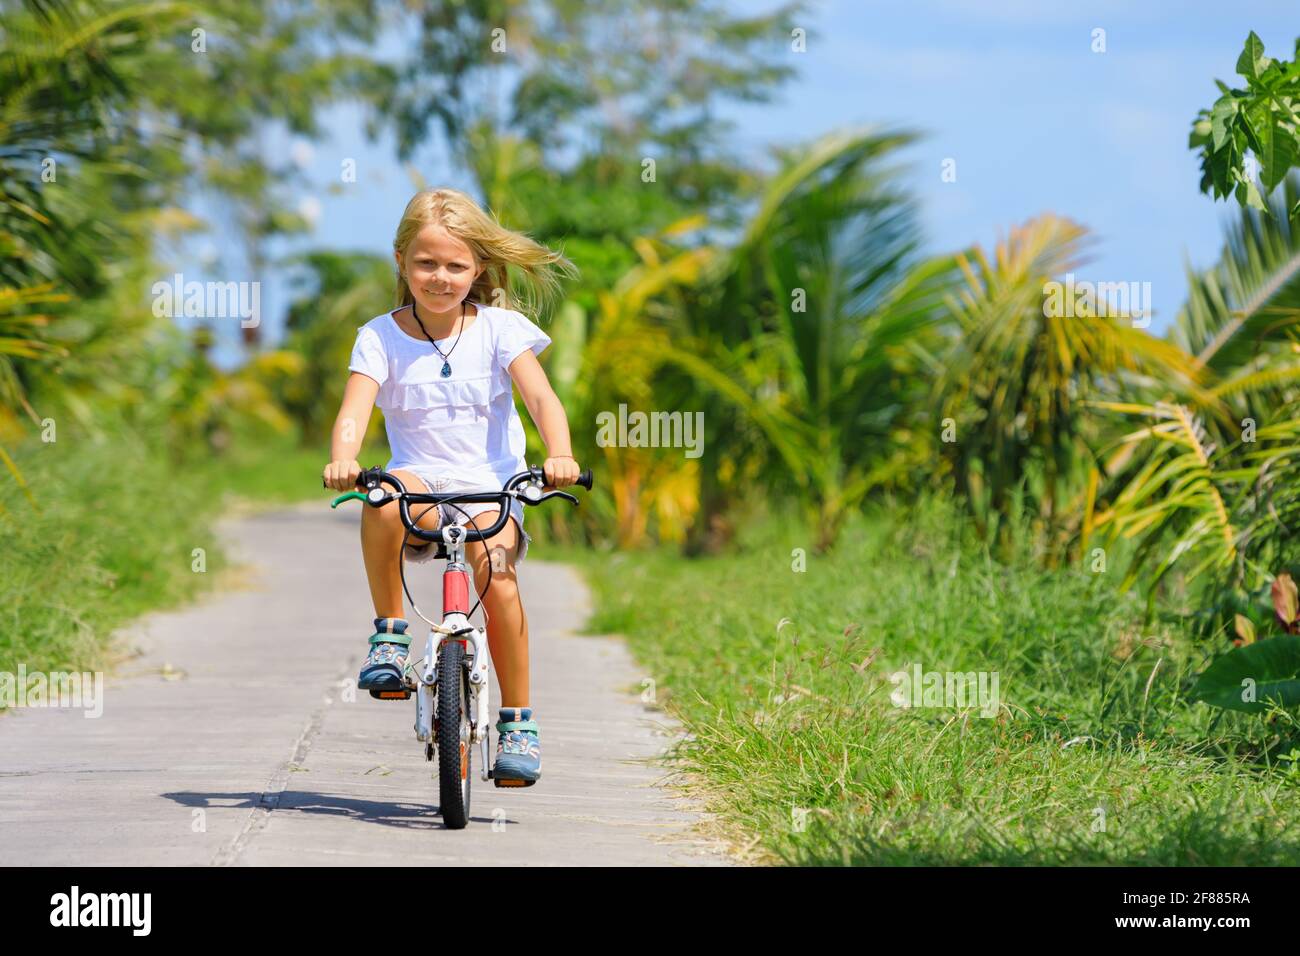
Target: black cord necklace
446,365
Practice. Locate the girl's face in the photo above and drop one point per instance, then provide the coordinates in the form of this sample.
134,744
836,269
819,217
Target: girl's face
439,270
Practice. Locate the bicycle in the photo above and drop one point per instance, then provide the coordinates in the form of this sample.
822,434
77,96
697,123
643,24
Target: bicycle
451,693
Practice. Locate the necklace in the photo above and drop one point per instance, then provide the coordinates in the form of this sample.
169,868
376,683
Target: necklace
446,364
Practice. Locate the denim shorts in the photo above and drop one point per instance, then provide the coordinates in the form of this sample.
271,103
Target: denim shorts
456,512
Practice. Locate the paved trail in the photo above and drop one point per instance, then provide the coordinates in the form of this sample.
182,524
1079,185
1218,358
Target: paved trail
195,763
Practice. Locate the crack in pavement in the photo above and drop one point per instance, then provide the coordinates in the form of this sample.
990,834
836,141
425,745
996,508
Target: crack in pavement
269,800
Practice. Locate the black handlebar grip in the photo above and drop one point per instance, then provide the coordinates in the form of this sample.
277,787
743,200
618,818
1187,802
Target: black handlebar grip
584,478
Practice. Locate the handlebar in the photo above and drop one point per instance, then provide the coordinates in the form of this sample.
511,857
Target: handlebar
376,497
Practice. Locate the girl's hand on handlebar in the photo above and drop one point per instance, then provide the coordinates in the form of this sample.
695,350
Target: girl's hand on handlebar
560,472
342,475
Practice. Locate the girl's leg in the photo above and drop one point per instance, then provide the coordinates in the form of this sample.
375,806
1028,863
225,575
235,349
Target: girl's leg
381,540
507,623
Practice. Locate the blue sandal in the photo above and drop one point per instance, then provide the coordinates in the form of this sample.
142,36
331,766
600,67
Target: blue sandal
519,750
384,670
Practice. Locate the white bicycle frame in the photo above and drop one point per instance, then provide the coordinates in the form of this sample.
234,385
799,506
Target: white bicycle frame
477,659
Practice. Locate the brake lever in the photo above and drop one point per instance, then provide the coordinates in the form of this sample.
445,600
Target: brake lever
554,494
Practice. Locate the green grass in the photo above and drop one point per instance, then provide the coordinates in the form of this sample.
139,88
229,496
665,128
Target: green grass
1095,756
116,533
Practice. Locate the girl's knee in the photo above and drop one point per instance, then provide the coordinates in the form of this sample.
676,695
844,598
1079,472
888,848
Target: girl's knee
495,564
502,558
502,588
389,518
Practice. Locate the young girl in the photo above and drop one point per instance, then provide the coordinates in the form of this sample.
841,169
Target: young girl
440,366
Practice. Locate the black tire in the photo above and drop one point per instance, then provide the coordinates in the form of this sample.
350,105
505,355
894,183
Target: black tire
454,746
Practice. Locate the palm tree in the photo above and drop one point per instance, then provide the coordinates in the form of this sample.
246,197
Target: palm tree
812,329
63,74
1222,489
1015,378
617,356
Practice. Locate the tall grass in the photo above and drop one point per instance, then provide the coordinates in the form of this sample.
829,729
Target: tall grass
116,533
1094,756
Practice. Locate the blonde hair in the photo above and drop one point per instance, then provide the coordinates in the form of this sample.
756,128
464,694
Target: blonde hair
494,246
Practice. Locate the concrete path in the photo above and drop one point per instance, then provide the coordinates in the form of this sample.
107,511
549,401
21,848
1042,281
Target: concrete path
193,763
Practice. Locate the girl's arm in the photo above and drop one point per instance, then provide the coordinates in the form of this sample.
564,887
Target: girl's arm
548,414
350,431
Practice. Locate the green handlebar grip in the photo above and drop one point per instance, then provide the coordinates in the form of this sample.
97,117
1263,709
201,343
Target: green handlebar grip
344,497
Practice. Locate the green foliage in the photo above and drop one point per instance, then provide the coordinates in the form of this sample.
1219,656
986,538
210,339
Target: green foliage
104,548
1240,318
1014,378
1192,500
1212,480
782,680
1254,678
59,91
810,328
1261,118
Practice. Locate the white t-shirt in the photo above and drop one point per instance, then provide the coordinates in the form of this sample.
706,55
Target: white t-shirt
464,426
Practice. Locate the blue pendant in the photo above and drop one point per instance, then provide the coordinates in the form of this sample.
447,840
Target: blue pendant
446,370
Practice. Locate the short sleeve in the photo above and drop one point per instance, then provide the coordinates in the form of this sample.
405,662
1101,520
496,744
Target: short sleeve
368,355
517,334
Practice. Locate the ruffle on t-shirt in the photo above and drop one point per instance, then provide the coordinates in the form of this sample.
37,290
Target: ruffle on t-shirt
443,393
501,384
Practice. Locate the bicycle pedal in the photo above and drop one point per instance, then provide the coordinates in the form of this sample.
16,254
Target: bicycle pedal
391,694
508,782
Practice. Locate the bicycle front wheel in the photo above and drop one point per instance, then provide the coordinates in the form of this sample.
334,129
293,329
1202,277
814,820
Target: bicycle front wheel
453,736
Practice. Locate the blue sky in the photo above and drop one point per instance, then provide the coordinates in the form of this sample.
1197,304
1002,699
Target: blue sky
1009,89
